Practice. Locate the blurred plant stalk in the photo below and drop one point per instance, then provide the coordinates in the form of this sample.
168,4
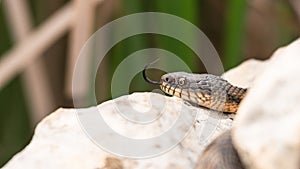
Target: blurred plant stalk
30,46
36,85
81,30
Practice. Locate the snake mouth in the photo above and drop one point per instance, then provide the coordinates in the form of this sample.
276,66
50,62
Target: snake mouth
171,89
167,88
146,78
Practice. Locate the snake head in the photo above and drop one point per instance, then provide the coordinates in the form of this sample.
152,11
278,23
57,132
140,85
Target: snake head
183,80
195,88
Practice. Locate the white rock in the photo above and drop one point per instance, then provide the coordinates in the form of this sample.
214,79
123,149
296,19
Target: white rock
267,127
60,141
244,75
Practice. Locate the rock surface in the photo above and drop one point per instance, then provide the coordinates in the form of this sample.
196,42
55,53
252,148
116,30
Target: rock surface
245,74
60,140
267,127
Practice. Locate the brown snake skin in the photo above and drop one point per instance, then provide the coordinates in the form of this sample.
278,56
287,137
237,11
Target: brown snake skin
206,90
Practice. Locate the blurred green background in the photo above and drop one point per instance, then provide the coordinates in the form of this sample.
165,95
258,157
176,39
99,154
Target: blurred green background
238,29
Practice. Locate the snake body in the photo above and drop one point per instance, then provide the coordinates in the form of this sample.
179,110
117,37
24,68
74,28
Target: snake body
220,154
206,90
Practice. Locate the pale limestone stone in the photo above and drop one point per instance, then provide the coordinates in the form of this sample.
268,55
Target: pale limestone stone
244,75
267,127
60,141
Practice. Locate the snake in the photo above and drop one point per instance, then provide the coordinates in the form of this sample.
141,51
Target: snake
206,90
212,92
220,154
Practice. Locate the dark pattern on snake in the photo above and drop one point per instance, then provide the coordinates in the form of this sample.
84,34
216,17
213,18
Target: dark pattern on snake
206,90
220,154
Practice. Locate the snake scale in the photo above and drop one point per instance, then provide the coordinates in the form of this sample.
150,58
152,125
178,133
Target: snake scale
206,90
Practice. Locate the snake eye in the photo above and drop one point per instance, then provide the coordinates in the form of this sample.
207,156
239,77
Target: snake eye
167,79
181,81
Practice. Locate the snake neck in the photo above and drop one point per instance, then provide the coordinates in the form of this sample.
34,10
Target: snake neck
234,96
235,93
